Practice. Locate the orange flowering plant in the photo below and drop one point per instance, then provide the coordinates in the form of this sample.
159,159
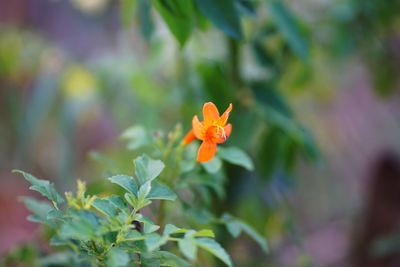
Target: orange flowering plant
168,198
211,131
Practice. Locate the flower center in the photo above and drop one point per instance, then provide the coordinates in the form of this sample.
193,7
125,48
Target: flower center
215,133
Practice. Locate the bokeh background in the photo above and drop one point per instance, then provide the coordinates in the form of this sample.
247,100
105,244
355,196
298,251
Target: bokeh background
314,86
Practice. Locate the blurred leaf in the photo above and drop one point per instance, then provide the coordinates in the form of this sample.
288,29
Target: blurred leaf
117,202
247,7
154,241
213,165
44,187
65,258
148,225
178,15
263,56
188,247
40,209
270,97
144,190
117,258
204,233
168,259
81,226
147,169
126,182
235,227
270,152
104,206
214,248
161,191
236,156
145,19
223,15
289,28
137,137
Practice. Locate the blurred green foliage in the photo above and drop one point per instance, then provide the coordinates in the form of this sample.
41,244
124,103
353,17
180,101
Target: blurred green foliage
253,53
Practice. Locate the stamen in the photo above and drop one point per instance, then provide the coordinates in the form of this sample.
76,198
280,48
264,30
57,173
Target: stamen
222,130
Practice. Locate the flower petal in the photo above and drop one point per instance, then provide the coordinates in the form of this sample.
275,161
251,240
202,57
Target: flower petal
224,117
221,138
198,128
210,113
189,137
206,151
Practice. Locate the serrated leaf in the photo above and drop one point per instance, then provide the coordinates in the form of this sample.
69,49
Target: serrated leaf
162,192
105,206
223,15
147,169
289,28
236,156
214,248
178,15
126,182
44,187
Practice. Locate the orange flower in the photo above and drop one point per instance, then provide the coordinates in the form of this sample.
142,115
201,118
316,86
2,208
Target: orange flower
212,130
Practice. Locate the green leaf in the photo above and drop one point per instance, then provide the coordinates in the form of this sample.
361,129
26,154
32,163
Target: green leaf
117,257
178,15
289,28
79,230
40,209
147,169
214,248
117,202
171,229
171,260
236,156
154,241
213,166
44,187
55,215
205,233
236,226
105,206
161,191
136,136
144,190
126,182
223,15
81,226
188,247
148,225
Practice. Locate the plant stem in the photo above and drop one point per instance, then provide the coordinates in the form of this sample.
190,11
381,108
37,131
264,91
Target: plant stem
161,214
